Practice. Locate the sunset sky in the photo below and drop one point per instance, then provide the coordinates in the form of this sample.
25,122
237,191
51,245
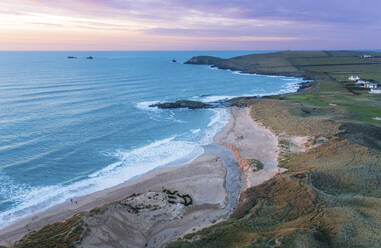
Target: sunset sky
189,24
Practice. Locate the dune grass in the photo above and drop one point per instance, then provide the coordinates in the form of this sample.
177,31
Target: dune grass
58,235
330,196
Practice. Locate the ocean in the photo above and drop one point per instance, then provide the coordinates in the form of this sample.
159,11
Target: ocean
70,127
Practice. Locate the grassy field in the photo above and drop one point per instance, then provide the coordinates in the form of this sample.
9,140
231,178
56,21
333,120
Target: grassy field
331,194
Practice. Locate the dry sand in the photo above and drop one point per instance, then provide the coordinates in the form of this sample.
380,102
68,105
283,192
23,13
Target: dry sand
251,140
213,181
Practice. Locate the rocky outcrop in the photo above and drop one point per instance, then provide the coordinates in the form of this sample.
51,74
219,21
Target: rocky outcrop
182,104
203,60
303,86
135,220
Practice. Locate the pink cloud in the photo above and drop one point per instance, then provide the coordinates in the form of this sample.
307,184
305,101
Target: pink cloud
319,24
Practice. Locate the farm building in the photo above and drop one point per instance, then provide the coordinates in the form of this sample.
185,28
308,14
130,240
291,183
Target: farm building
354,78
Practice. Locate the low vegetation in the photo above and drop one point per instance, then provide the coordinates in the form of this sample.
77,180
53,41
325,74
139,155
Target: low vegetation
256,164
58,235
330,196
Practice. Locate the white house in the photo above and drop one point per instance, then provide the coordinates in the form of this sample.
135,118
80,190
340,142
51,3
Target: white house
367,56
354,78
366,84
370,85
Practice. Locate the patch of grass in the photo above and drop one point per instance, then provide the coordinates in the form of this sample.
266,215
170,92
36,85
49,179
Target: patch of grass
362,134
366,113
352,69
302,238
222,235
288,117
58,235
313,61
256,164
308,99
349,181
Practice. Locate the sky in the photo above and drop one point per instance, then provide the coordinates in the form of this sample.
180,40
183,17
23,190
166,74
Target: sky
189,24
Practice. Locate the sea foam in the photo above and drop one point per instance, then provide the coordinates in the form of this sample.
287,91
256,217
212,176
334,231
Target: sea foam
244,74
24,200
146,105
215,98
128,164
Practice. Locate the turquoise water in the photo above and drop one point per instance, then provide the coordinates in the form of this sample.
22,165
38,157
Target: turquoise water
70,127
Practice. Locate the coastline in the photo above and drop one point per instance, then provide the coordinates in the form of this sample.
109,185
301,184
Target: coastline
314,129
248,178
324,125
155,180
211,180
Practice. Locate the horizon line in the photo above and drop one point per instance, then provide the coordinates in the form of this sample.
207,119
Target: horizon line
191,50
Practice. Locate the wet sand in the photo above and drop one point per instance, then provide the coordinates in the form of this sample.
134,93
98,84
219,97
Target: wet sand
248,139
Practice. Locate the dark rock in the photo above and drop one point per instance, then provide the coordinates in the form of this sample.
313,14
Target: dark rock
71,57
303,86
182,104
174,60
90,57
242,102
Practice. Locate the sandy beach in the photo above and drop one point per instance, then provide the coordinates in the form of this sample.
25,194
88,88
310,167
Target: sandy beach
250,140
168,202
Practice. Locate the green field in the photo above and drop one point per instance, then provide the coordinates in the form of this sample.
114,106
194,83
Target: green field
330,196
